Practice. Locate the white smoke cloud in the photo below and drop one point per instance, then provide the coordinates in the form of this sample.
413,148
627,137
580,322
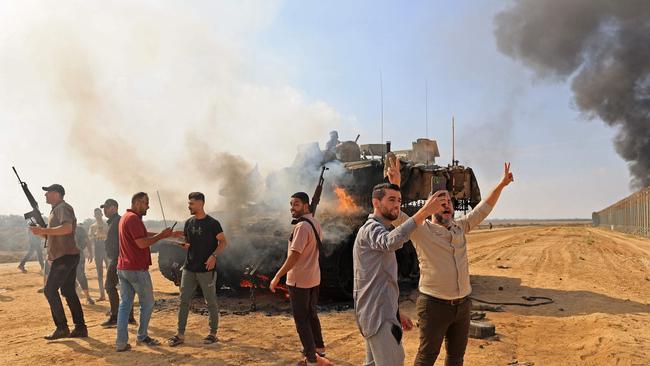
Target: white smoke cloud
120,94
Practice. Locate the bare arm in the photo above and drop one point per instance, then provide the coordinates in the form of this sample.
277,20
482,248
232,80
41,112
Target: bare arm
289,263
507,178
64,229
151,240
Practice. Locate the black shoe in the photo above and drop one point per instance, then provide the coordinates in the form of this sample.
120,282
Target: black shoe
132,321
79,332
58,333
110,323
22,269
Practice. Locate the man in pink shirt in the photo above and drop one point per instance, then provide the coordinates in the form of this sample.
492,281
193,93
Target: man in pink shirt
303,278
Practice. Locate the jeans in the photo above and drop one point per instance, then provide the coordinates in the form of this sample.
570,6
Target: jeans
437,322
131,283
303,307
81,272
189,282
33,247
62,276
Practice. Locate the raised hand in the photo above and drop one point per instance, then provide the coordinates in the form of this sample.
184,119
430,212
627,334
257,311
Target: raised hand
507,175
394,166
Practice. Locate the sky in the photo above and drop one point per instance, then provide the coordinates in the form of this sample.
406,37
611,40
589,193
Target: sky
110,99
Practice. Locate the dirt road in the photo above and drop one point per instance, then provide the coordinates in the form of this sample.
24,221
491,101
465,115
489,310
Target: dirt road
599,280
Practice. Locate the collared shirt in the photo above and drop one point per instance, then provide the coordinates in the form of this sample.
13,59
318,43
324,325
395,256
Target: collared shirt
112,242
306,272
442,253
376,293
132,257
97,232
60,245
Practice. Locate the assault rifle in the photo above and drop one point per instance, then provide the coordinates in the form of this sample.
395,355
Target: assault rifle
34,216
315,198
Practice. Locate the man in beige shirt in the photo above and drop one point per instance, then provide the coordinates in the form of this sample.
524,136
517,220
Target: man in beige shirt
97,236
443,305
303,278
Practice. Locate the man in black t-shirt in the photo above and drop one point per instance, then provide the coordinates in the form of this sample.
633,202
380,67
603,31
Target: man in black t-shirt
205,241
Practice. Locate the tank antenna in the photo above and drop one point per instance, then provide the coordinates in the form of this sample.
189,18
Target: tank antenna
453,142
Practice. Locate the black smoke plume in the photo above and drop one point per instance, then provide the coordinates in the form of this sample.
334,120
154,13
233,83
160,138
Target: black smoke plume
603,47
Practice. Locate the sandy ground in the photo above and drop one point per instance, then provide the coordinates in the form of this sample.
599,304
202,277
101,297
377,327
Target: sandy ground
599,280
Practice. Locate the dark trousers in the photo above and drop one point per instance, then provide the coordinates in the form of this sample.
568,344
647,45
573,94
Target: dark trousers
303,306
100,257
62,276
111,289
439,321
33,247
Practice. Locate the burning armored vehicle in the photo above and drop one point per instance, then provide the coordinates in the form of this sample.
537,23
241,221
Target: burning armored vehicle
258,241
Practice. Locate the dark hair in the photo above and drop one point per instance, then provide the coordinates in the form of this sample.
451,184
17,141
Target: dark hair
379,191
138,196
196,196
302,196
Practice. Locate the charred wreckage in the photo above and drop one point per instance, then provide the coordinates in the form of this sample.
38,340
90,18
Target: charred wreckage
259,245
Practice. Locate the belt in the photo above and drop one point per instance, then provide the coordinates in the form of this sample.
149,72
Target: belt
448,302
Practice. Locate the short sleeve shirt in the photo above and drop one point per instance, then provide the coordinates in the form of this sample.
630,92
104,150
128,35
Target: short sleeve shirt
306,272
60,245
202,236
132,257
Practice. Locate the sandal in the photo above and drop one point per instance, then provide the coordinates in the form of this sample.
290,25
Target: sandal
174,341
209,339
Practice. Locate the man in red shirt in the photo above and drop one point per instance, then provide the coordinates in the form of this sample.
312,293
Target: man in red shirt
133,270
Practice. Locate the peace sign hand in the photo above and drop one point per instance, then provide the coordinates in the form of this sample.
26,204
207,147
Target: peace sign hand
394,165
507,175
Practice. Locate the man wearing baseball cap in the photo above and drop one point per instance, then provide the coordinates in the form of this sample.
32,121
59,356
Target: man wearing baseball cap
112,250
64,257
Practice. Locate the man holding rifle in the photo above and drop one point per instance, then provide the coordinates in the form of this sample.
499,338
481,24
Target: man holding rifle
64,257
133,271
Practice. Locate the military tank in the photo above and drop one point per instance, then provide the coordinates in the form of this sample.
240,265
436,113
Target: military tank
258,246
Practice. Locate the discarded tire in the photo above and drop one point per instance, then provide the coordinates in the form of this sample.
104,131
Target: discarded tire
481,329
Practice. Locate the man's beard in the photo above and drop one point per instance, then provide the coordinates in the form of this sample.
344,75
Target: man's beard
442,220
389,215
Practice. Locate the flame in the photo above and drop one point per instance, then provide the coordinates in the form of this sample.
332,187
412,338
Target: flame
346,204
263,282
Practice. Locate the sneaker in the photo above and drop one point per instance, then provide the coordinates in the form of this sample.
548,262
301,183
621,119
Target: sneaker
58,333
110,323
79,331
122,348
148,341
22,269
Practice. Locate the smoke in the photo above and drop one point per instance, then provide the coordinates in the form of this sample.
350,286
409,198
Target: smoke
604,48
162,96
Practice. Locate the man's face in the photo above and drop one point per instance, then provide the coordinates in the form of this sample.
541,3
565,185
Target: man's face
142,205
444,218
52,197
195,206
389,205
110,211
297,208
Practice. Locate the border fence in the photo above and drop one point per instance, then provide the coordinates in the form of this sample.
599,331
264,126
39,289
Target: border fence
630,215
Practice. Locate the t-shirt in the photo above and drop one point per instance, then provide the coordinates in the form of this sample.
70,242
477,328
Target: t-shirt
306,272
202,236
132,257
80,238
112,242
60,245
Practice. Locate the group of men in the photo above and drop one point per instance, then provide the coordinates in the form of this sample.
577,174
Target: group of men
443,305
126,243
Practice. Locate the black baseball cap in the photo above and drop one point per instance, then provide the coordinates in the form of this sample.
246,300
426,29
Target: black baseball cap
109,202
55,188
